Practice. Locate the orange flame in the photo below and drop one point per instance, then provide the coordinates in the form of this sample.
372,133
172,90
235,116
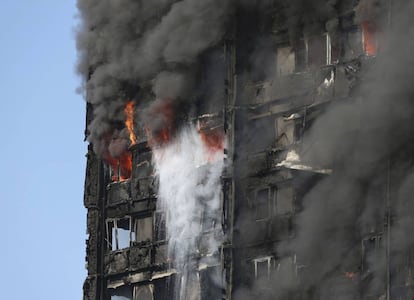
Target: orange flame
129,121
369,30
121,167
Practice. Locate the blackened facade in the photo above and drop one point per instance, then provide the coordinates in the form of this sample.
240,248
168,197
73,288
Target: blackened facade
272,172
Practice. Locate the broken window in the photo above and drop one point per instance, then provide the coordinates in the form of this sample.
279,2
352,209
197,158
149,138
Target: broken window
121,293
285,131
118,233
262,204
143,229
263,267
353,44
319,50
159,226
371,249
284,201
369,37
287,267
165,287
144,292
285,61
260,134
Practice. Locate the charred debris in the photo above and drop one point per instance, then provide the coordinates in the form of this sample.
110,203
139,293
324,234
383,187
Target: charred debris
245,149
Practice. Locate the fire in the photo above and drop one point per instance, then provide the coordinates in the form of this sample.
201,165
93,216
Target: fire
129,121
212,136
213,139
116,152
369,30
161,131
121,167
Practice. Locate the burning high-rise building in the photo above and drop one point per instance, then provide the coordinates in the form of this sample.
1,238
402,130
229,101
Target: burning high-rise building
243,149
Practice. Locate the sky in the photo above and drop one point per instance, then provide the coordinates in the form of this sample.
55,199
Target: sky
42,153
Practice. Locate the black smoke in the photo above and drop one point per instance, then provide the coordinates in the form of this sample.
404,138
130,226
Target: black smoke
142,43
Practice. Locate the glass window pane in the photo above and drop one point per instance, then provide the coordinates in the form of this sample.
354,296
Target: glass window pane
124,233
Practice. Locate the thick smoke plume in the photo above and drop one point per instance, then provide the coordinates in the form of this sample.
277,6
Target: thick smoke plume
126,45
189,194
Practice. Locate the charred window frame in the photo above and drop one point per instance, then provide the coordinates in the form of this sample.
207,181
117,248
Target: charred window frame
263,267
165,287
121,293
371,246
286,131
318,50
119,233
262,204
353,43
160,231
143,292
271,202
288,267
284,199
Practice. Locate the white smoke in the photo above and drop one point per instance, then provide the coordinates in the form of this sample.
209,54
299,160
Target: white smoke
189,194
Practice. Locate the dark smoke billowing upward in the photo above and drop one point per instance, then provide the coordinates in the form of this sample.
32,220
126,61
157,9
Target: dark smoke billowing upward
124,44
131,43
368,139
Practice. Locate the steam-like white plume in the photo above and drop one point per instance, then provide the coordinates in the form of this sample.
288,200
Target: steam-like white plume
189,193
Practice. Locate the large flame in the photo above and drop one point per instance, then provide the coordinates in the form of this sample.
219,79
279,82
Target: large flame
121,161
129,121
